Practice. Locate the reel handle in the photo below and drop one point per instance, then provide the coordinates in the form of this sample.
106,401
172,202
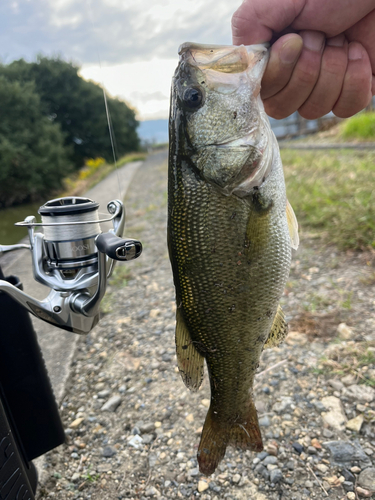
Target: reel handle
118,248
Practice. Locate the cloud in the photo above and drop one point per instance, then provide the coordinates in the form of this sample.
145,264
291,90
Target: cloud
121,31
148,96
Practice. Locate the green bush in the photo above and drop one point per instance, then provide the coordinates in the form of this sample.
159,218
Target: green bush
33,158
361,126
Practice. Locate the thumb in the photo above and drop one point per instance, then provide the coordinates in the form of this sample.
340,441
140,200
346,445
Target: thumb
255,21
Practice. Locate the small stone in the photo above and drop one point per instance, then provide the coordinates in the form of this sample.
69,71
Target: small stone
152,492
322,468
344,331
147,438
112,404
146,428
76,423
316,444
348,486
136,441
109,451
265,421
189,418
309,484
76,477
363,493
336,384
348,379
104,393
205,403
335,417
361,393
355,424
236,478
202,486
298,447
157,425
290,465
348,475
356,470
74,455
366,479
276,476
350,496
311,450
193,472
270,460
327,433
285,403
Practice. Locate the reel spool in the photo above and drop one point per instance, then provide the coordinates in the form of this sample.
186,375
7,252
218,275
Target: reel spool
70,226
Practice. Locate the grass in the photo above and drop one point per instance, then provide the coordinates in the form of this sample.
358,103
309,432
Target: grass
347,358
95,171
361,126
333,194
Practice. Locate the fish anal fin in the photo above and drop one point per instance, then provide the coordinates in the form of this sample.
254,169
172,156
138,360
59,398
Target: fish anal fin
190,362
278,331
216,436
292,225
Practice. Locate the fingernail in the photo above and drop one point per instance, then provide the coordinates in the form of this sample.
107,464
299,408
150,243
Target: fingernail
291,50
313,40
336,41
355,52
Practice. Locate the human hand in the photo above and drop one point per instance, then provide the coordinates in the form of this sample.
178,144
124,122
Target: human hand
323,60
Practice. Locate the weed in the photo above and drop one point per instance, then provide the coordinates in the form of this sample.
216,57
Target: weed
332,193
361,126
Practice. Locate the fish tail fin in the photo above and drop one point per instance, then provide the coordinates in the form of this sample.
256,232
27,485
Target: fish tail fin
216,436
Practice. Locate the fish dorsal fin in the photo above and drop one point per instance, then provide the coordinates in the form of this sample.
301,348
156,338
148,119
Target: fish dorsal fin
190,362
292,225
278,331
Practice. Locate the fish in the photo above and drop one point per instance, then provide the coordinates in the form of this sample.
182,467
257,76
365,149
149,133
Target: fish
230,235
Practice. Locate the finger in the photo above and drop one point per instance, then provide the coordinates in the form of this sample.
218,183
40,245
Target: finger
330,82
283,57
303,79
356,91
364,33
255,21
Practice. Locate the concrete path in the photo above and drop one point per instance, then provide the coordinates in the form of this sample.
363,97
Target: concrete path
58,345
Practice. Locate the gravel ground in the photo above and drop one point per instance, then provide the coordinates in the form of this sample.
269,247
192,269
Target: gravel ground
133,428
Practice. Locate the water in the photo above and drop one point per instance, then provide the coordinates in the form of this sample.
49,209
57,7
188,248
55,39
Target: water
9,233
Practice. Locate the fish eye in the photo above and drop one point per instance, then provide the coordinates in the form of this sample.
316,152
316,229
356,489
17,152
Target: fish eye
193,97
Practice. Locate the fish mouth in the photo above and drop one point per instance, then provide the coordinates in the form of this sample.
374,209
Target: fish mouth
222,58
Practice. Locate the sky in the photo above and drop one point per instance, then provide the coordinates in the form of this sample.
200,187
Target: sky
129,46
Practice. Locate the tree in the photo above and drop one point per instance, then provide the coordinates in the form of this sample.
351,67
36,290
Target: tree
33,158
78,106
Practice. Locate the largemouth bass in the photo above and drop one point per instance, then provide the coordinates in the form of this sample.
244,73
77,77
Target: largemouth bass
230,233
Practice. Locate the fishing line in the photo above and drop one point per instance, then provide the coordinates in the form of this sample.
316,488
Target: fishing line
108,115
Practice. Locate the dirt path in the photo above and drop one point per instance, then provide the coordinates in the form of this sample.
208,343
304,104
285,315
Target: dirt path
318,425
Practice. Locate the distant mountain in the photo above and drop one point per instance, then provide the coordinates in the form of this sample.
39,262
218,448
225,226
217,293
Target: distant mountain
156,131
153,131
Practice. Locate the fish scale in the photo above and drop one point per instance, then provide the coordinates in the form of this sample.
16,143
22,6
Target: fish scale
230,250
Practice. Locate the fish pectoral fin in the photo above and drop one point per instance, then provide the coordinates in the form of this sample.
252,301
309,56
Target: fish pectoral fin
278,331
217,435
292,225
190,362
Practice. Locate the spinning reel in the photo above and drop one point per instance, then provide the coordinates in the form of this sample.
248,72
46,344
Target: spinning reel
73,258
